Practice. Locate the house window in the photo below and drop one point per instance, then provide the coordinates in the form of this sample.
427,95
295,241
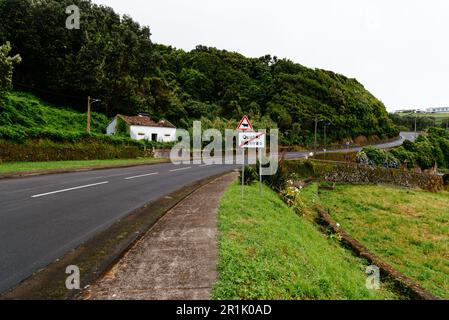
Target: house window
167,135
141,134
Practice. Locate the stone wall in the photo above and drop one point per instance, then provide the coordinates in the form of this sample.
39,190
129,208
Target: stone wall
357,174
353,173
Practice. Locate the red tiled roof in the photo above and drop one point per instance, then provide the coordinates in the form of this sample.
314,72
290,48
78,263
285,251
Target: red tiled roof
166,124
145,121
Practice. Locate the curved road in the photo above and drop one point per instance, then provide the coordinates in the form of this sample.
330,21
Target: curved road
403,136
44,217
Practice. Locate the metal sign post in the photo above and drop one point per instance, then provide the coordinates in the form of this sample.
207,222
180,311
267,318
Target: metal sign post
244,126
253,140
248,139
243,170
260,171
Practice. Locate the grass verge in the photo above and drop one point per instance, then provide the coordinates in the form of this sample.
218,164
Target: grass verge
17,167
268,252
407,229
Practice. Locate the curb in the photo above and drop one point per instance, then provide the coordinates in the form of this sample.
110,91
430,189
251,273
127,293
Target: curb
414,289
102,251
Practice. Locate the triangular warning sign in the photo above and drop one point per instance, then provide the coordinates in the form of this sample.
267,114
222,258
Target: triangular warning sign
245,125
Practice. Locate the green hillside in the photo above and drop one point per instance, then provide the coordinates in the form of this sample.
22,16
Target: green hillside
113,58
23,115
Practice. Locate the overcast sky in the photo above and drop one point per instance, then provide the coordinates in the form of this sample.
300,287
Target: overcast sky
399,49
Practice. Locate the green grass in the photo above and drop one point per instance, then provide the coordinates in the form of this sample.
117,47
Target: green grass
268,252
408,229
28,111
12,167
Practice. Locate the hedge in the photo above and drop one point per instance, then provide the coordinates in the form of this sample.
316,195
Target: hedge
45,150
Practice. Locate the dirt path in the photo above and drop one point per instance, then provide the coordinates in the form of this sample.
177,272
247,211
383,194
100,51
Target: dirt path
177,257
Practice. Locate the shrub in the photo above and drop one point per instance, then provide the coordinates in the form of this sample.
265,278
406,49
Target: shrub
292,197
405,156
446,179
47,150
251,175
11,133
307,169
278,181
425,156
374,156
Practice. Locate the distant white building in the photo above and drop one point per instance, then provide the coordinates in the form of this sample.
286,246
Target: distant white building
143,127
438,110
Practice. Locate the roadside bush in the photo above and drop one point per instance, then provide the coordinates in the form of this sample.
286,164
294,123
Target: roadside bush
278,181
157,144
306,170
405,156
251,175
409,146
12,134
292,197
362,158
48,150
446,179
425,156
374,156
428,149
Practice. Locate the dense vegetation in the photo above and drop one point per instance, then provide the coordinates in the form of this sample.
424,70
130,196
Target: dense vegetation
113,58
406,121
429,150
25,117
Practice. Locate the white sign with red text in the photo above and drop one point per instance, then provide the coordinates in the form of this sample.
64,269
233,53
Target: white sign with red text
252,140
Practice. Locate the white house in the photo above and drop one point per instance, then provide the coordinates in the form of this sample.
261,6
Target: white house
143,127
438,110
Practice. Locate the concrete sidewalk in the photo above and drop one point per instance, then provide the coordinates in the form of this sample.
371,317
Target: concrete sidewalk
177,257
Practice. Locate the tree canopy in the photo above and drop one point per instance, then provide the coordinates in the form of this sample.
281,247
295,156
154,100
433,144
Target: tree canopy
112,58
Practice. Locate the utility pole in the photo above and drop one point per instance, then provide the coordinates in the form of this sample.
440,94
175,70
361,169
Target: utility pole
90,101
325,139
416,119
316,132
88,114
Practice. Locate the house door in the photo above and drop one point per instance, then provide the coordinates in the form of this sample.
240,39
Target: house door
154,137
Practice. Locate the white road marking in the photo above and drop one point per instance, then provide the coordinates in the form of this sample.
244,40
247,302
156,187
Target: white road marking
174,170
204,165
70,189
142,175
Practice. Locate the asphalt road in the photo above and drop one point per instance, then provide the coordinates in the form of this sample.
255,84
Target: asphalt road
403,136
44,217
